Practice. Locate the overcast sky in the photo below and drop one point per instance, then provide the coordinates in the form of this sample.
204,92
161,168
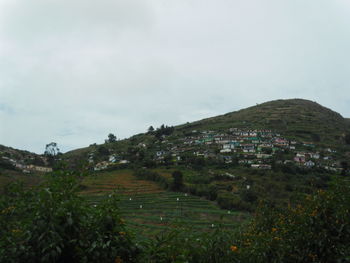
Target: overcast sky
72,71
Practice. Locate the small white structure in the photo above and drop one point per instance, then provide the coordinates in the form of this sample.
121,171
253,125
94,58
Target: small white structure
112,158
309,164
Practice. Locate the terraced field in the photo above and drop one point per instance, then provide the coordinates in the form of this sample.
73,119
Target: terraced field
123,181
149,210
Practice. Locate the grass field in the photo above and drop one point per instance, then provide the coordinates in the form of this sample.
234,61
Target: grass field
9,176
149,210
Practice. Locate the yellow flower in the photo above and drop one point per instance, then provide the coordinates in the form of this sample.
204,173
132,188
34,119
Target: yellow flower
312,256
16,230
118,260
122,233
234,248
277,238
274,229
7,210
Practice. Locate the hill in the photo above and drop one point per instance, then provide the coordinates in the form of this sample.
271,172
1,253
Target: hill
268,151
18,160
298,118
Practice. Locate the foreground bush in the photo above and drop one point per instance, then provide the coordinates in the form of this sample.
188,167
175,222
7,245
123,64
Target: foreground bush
317,229
53,224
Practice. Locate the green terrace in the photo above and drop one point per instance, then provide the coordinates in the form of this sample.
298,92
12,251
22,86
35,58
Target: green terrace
151,213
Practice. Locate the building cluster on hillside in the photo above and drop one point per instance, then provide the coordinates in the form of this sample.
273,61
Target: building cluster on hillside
26,168
112,160
254,148
257,149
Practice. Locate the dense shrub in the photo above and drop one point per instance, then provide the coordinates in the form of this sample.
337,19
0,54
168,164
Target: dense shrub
317,229
152,176
53,224
183,245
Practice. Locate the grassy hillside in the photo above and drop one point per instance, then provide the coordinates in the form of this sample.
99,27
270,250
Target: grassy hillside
301,119
298,119
240,177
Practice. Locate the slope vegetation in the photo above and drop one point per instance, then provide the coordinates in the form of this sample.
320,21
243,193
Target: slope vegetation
298,118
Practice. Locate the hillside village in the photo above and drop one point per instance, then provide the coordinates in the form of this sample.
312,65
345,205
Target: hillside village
23,161
257,149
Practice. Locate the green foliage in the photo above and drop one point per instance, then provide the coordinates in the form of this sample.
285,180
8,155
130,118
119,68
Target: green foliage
4,164
152,176
111,138
164,130
102,151
347,138
315,230
177,181
150,129
53,224
183,245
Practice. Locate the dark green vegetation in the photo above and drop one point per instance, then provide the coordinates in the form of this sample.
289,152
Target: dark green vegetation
169,182
241,188
296,118
10,176
52,223
228,178
149,210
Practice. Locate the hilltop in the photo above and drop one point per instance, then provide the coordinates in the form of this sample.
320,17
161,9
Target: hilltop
296,119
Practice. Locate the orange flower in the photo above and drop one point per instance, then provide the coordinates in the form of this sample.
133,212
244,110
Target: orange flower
314,213
274,229
234,248
118,260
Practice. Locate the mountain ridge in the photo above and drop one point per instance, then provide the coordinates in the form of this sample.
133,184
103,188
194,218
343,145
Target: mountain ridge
296,119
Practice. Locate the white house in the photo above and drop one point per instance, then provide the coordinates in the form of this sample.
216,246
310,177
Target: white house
309,164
